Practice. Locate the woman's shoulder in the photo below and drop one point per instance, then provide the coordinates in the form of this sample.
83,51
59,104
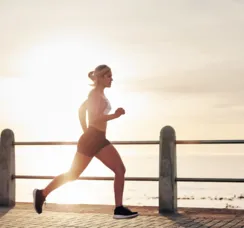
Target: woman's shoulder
94,94
91,93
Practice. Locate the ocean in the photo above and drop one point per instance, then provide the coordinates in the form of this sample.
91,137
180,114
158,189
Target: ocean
211,161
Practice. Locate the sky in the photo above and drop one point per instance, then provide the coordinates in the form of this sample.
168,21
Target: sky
174,62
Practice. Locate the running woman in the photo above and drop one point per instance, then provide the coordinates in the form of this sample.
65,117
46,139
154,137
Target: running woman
93,143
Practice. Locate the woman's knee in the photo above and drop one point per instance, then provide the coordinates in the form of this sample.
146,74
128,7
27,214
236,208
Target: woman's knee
120,170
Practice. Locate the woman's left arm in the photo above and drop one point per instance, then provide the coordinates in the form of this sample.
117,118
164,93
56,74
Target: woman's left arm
82,115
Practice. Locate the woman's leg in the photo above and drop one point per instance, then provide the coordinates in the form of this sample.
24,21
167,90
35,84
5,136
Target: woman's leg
80,162
110,157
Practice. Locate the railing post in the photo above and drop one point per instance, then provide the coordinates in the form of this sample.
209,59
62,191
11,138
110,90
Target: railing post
7,168
167,171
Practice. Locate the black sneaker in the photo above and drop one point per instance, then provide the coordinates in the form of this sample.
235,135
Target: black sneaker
122,212
38,199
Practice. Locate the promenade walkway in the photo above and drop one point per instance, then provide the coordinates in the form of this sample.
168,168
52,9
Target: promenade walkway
92,216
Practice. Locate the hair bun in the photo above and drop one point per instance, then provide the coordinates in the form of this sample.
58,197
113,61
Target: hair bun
91,75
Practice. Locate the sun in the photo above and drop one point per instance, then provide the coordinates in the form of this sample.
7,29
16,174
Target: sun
56,73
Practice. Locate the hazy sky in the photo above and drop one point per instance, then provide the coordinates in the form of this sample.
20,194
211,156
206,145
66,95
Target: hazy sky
182,59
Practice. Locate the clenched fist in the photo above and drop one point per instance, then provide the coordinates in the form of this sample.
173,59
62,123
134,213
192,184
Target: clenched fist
119,112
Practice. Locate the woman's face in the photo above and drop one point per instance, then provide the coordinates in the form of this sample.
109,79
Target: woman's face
106,79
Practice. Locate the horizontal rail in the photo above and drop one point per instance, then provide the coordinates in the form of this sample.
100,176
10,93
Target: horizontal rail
152,142
241,141
88,178
227,180
75,143
180,179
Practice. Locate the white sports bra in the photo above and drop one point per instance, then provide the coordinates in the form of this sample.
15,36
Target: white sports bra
108,107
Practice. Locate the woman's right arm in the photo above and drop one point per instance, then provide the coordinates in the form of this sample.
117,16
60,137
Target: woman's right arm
96,107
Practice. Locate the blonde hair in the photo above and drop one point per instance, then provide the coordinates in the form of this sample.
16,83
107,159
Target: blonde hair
99,71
